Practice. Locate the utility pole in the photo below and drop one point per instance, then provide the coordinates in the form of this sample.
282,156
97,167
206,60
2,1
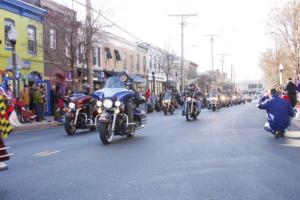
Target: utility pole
89,47
182,24
212,36
223,62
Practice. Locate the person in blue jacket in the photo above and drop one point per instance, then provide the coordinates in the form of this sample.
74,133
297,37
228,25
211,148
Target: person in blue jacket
279,113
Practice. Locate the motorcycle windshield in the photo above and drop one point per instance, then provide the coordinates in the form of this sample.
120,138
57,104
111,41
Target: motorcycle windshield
168,96
114,82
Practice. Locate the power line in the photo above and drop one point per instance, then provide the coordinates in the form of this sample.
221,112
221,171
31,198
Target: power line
110,21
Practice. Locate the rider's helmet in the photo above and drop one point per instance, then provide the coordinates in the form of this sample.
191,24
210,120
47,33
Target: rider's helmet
123,76
86,88
192,86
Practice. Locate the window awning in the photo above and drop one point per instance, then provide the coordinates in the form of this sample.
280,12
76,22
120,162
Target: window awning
137,79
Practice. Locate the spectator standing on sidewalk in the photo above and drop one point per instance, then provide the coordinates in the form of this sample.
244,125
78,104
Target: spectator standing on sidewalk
25,97
279,113
53,100
38,103
291,90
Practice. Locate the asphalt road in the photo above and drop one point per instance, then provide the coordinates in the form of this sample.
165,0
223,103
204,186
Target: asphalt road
223,155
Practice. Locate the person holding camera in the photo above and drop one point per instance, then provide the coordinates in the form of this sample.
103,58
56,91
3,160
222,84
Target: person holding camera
279,113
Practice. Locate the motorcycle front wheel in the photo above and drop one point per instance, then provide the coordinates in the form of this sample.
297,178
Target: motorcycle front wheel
105,135
188,114
165,111
69,126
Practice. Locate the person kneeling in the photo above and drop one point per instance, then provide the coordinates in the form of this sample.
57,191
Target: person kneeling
279,113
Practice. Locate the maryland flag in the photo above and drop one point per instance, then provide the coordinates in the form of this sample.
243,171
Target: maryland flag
5,111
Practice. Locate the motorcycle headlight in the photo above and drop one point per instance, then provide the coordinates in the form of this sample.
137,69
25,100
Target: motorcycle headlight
71,105
107,103
99,104
118,103
214,99
189,99
223,98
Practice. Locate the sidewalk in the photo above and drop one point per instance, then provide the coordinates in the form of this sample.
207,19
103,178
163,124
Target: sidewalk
48,123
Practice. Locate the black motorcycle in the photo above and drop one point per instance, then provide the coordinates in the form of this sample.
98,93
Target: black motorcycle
191,106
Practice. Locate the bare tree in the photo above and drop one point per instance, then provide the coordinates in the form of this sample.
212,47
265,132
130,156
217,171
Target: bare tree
167,61
286,25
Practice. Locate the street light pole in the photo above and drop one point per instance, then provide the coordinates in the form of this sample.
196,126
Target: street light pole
280,74
12,36
153,81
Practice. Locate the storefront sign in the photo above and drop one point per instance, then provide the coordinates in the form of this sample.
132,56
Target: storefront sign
158,77
26,64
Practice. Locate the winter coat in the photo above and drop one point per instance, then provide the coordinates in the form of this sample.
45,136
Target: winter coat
279,111
291,88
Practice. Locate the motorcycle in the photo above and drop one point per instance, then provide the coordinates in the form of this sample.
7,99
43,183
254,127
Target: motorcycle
190,108
213,103
80,114
112,101
168,104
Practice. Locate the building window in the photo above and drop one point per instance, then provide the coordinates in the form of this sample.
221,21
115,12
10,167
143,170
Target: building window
125,60
67,46
144,63
52,38
31,36
137,62
81,54
131,61
96,56
9,24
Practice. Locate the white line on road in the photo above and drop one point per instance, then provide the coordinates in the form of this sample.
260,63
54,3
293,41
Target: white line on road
46,153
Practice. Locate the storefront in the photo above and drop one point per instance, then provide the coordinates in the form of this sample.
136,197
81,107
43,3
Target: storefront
160,82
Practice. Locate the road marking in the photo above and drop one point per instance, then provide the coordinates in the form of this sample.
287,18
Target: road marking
46,153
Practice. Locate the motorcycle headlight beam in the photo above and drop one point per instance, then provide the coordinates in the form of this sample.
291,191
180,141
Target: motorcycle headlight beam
189,99
118,103
99,103
72,105
107,103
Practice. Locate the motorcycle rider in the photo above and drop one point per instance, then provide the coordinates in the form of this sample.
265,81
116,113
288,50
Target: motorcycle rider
129,107
193,89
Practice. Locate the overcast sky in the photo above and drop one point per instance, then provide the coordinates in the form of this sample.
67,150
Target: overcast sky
241,24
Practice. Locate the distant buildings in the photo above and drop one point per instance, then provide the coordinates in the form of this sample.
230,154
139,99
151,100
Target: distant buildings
251,87
51,51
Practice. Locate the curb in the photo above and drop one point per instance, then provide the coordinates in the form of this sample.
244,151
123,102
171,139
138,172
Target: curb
34,126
